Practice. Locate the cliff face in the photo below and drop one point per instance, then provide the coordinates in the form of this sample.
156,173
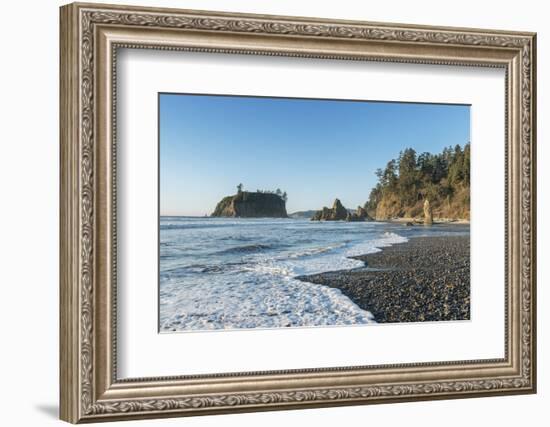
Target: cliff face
251,205
456,206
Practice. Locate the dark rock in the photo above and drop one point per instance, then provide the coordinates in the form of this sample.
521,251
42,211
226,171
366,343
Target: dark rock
338,211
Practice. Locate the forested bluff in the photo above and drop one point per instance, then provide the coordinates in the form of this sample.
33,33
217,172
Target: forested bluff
409,180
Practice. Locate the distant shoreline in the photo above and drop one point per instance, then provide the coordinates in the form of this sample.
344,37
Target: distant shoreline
424,279
415,221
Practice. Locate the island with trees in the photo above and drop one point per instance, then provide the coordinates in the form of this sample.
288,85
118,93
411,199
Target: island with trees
257,204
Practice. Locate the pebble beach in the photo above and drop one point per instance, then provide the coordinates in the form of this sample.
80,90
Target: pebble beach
423,279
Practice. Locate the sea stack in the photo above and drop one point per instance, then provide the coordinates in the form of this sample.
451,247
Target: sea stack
428,216
337,213
246,204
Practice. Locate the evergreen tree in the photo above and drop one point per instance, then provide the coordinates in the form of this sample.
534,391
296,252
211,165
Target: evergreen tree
466,163
408,176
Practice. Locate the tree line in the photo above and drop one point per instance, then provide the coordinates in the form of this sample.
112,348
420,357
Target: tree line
414,177
282,194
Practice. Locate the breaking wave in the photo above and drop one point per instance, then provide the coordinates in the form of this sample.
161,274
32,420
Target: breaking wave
209,279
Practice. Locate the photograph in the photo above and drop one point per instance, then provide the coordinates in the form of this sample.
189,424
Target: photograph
299,212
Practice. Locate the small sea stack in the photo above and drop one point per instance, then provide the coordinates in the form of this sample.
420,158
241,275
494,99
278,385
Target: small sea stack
339,213
428,215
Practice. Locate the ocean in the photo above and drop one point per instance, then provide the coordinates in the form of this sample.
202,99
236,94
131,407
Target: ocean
228,273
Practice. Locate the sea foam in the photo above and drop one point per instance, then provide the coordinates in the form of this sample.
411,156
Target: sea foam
210,280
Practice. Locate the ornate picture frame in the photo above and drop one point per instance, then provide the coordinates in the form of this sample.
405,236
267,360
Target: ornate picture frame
90,37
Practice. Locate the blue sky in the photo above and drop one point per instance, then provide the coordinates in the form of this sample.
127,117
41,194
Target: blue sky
316,150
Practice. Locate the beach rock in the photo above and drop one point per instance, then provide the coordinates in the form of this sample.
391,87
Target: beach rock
428,215
409,224
247,204
337,213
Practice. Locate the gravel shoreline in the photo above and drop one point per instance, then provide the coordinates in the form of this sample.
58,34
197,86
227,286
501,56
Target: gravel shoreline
424,279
